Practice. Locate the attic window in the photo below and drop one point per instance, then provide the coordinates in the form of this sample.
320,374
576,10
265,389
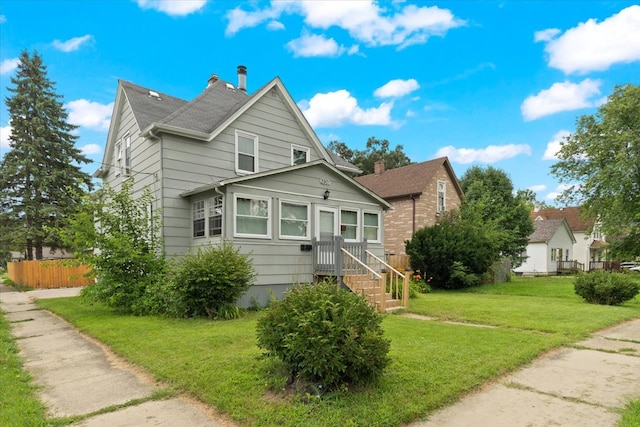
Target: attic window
230,86
154,94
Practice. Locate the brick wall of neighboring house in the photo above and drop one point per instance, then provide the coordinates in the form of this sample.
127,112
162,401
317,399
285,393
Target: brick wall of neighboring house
398,222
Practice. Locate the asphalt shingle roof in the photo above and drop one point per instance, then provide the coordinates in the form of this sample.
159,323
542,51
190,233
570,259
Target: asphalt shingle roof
148,109
544,230
571,214
405,180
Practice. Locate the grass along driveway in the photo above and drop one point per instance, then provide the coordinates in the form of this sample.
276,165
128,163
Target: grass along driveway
433,363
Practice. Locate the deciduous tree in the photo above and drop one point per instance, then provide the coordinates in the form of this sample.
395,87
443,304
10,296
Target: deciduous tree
375,150
600,162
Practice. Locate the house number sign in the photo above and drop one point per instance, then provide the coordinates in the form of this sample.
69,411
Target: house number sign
325,181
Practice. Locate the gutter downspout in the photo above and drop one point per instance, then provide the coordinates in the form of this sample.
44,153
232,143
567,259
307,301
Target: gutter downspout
413,217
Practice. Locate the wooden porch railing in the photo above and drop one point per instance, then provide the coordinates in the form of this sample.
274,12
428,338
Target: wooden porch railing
361,271
572,266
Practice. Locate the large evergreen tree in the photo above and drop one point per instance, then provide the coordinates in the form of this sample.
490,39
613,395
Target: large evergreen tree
489,198
40,176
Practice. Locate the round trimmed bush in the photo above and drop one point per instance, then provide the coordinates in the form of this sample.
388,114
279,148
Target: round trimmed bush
604,287
210,281
325,335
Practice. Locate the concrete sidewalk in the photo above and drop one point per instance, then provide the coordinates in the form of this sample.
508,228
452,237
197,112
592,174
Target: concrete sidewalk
77,376
578,386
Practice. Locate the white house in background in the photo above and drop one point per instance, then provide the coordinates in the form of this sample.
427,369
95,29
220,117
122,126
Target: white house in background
590,247
550,249
247,168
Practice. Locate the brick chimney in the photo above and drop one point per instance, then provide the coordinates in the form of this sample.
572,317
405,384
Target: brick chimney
242,78
378,167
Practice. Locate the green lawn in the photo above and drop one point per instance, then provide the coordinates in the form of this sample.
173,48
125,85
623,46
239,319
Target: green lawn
433,363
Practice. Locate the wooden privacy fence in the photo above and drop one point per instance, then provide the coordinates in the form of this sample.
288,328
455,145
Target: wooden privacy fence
48,274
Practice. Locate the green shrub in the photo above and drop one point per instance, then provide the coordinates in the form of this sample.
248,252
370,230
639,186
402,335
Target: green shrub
209,282
604,287
325,335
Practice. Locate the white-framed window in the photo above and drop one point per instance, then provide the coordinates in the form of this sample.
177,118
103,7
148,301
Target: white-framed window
127,155
349,227
442,196
299,155
294,220
246,152
117,152
252,216
197,212
371,226
215,216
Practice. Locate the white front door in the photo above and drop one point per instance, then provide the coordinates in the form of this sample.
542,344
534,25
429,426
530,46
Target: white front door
326,222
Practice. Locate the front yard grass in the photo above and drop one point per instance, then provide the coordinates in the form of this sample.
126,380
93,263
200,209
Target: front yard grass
433,365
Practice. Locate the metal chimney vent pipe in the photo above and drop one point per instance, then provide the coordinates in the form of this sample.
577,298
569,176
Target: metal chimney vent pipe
242,78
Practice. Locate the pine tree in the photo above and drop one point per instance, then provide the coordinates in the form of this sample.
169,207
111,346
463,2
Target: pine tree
40,176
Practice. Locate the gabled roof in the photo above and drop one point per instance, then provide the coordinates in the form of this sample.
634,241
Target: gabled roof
407,180
571,214
545,229
148,108
245,178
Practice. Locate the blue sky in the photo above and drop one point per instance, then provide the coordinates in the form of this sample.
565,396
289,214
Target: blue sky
485,83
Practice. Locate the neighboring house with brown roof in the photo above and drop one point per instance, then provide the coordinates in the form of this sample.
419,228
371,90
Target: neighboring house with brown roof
550,248
419,194
590,246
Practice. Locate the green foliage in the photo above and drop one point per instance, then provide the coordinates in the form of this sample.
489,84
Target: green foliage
325,335
453,253
604,287
489,201
40,180
118,237
375,150
601,163
209,282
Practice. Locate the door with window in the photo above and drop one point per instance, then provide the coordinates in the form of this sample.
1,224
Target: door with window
326,228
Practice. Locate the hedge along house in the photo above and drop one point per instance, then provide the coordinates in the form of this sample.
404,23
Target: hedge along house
246,168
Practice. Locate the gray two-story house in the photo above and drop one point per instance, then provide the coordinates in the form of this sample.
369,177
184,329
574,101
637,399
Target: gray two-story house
247,168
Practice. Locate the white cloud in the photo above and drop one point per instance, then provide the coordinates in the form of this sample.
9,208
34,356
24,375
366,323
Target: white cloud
338,108
593,46
5,132
90,149
72,44
395,24
553,146
538,188
173,7
490,154
559,97
3,19
309,45
275,26
396,88
89,114
545,35
558,191
8,65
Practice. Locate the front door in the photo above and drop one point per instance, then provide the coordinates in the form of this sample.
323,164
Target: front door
326,228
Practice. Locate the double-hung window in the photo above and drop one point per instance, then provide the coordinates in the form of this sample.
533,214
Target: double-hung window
246,152
442,196
215,216
198,218
371,226
299,155
349,224
294,220
252,216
